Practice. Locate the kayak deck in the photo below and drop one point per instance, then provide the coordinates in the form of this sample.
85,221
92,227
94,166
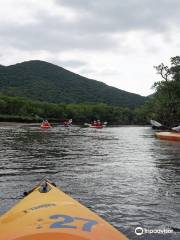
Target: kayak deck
171,136
53,215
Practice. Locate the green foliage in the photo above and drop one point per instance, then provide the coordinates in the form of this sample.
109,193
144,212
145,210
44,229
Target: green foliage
22,109
43,81
164,106
144,113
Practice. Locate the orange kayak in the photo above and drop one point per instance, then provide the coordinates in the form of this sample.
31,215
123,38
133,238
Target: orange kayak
171,136
46,213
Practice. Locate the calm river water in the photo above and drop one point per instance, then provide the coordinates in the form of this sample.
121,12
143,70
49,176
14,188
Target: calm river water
124,174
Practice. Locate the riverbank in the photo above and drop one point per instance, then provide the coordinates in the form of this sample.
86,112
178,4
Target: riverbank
24,119
17,118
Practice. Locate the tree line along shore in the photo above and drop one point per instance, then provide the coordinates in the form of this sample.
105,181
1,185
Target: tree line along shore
20,109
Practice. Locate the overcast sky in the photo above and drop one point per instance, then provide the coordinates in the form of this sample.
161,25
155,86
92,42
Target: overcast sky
114,41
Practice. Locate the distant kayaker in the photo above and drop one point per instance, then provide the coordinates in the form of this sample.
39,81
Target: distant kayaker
99,123
70,121
46,123
66,123
94,123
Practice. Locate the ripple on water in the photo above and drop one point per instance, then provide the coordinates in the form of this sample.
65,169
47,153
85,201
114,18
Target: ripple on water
124,174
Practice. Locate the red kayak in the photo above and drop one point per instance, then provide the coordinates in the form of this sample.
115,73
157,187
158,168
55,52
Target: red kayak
45,126
94,126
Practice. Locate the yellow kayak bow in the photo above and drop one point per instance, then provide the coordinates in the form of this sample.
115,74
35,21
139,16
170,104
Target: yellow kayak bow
46,213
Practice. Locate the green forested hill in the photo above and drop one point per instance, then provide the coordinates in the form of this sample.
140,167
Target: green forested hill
44,81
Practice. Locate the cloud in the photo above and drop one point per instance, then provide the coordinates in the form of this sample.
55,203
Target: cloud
115,15
71,63
101,39
52,33
80,24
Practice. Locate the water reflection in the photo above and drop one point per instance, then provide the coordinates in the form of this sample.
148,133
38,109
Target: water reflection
124,174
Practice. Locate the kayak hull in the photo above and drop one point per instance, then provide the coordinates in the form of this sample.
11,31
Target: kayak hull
44,126
171,136
54,215
98,127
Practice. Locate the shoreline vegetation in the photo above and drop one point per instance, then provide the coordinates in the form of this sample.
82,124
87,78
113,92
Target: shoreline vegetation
19,109
164,104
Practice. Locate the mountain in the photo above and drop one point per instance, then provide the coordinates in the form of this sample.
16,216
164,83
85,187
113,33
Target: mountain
39,80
